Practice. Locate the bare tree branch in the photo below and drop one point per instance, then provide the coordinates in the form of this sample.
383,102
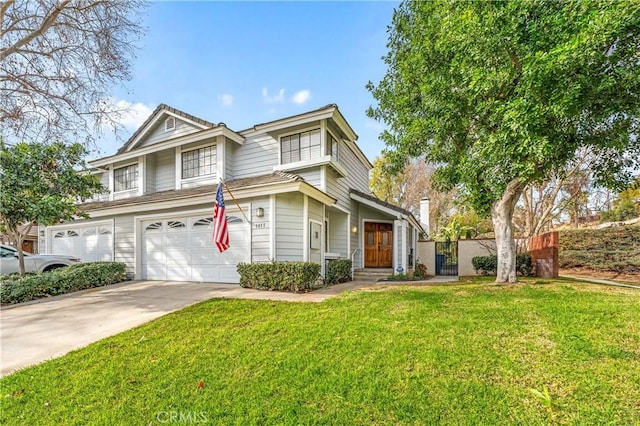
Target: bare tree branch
58,63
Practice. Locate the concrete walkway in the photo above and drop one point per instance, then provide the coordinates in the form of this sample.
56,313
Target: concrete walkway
36,331
599,281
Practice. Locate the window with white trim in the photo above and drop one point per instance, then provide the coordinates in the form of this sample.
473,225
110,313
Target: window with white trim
198,162
300,146
125,178
332,147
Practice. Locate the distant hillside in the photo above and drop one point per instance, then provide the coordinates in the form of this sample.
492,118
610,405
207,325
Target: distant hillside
611,249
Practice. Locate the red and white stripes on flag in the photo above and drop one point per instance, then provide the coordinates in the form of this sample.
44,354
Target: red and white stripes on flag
220,232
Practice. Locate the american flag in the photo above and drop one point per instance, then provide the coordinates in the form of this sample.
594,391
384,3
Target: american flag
220,233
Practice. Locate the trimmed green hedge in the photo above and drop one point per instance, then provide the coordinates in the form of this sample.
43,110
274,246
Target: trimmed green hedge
339,271
283,276
488,265
14,289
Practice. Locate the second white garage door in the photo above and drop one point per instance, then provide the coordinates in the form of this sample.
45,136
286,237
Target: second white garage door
182,249
90,243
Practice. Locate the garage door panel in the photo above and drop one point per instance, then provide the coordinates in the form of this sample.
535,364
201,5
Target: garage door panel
88,242
178,257
179,273
189,251
228,274
204,257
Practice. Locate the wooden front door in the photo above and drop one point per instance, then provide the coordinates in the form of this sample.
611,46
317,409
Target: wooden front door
378,241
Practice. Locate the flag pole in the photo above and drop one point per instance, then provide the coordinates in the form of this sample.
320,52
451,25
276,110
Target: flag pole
234,200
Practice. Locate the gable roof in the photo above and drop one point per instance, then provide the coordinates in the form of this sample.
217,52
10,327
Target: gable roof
387,206
155,116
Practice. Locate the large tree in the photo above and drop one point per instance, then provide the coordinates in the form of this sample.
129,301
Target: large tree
40,184
59,60
500,94
407,187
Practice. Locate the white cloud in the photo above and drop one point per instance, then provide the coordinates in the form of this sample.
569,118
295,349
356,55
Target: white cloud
301,97
132,115
279,98
226,99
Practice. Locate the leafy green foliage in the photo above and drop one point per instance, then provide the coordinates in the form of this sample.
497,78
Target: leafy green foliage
502,94
488,265
41,183
14,289
339,271
409,355
611,249
281,276
626,206
499,91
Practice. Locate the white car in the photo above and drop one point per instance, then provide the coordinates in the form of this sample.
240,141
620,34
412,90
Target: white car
32,262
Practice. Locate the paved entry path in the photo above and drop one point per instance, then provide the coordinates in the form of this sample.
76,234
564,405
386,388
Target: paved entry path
36,331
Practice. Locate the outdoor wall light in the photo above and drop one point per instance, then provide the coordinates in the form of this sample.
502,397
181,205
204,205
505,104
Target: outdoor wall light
260,212
354,229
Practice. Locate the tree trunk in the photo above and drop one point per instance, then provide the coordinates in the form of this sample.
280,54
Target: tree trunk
502,215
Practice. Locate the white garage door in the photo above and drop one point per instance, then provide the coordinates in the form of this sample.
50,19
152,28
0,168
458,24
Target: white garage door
89,243
182,249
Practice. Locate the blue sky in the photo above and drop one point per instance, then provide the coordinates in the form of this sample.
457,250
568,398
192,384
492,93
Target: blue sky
245,63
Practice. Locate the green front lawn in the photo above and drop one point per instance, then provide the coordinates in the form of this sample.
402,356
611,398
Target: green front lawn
478,353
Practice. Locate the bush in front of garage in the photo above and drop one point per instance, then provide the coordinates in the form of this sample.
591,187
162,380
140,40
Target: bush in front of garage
282,276
339,271
14,289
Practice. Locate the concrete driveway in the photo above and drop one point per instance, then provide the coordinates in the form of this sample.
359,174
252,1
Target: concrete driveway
33,332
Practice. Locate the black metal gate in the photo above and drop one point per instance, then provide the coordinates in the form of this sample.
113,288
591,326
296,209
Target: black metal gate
447,258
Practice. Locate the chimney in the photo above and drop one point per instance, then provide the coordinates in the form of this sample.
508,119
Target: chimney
424,214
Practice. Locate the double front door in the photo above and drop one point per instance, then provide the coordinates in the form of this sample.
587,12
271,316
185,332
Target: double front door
378,243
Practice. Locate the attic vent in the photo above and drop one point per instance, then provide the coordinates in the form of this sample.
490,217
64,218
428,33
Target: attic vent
170,124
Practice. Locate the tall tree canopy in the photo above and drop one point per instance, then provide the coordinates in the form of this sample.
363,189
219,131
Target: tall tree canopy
59,60
501,94
40,184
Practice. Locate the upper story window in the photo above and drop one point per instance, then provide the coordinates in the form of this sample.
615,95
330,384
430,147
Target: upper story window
125,178
332,146
198,162
300,146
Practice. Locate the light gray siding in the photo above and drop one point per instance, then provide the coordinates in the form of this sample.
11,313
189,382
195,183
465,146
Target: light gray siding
312,176
358,173
261,232
230,153
165,170
337,188
124,241
356,243
367,213
316,214
338,233
150,172
257,156
158,134
104,180
289,227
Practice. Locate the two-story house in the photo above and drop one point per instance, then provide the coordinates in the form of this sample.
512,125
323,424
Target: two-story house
296,190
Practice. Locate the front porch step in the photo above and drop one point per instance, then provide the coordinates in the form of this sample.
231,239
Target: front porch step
371,274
